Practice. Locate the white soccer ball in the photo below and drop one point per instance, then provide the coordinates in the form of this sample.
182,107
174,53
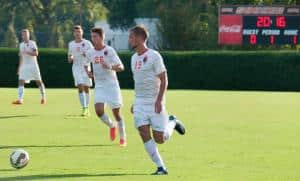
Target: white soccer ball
19,158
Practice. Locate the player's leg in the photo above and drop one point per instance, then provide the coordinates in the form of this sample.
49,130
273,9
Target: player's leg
152,150
164,125
99,108
21,90
41,86
87,95
82,98
121,126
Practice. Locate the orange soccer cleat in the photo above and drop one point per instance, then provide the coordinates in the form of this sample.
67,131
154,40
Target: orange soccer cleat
123,142
17,102
113,132
43,101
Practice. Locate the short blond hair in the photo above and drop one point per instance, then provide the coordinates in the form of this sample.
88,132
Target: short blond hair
25,30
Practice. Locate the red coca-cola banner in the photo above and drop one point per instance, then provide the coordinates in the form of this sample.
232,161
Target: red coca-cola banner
230,30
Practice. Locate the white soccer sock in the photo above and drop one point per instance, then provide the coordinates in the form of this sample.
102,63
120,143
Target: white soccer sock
121,125
43,91
152,151
82,99
169,129
87,99
21,92
107,121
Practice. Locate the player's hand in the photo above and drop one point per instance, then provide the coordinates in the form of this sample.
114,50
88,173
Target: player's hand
158,106
70,59
106,66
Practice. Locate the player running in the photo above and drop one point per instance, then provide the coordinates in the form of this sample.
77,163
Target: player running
107,90
151,80
77,55
28,68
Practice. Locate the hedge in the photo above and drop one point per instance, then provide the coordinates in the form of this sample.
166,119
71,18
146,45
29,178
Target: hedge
215,70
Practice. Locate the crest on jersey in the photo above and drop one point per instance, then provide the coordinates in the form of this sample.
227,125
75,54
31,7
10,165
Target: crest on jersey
145,59
82,44
105,53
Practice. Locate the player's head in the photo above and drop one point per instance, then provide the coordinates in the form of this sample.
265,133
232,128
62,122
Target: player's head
97,36
77,32
25,35
138,36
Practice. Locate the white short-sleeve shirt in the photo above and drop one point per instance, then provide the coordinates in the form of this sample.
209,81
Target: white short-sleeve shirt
31,47
104,77
145,69
78,50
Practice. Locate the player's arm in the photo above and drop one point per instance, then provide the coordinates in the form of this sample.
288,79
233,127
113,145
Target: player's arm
116,64
162,90
34,52
87,64
70,56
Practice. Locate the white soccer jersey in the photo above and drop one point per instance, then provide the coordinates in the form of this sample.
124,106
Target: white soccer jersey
104,77
146,68
31,47
78,50
29,69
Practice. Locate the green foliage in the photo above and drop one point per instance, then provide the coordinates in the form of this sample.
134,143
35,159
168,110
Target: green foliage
220,70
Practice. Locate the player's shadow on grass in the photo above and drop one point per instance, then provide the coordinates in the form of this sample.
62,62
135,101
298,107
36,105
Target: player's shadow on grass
51,146
17,116
66,176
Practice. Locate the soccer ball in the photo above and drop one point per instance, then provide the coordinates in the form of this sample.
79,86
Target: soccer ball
19,158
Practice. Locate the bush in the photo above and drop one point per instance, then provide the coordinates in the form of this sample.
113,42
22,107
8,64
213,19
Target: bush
217,70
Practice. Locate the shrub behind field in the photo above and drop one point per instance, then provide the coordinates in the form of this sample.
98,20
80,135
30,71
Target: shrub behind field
217,70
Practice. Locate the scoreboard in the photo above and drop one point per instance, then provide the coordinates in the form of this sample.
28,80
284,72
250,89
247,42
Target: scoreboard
259,25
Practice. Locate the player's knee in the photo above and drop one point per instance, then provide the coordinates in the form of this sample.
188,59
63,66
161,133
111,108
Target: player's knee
159,139
99,112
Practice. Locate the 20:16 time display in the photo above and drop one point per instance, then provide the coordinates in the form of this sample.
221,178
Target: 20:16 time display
266,22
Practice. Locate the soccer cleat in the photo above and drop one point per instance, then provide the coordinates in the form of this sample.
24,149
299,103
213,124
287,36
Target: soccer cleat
160,171
85,112
43,101
123,142
112,133
17,102
179,127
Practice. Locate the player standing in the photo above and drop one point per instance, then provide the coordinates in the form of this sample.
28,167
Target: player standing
151,80
28,68
107,90
77,55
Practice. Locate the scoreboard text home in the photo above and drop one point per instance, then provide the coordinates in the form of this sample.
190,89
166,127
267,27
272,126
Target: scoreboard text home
259,25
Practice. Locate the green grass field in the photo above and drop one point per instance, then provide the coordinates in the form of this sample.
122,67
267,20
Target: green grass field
234,136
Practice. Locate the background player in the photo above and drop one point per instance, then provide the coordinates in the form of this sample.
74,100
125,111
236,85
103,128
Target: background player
77,55
150,84
107,90
28,68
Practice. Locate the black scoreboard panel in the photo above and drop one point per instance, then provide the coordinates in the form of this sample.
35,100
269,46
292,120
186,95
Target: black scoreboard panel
270,30
259,25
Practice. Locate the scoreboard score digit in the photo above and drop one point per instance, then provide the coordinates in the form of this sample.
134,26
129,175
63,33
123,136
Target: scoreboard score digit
259,25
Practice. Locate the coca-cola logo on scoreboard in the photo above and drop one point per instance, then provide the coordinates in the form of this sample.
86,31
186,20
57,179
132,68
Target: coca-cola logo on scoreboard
230,29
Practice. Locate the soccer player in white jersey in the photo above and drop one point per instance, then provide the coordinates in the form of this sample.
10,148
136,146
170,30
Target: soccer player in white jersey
77,55
28,67
150,85
106,63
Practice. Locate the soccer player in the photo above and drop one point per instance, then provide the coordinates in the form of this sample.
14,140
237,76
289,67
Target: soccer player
150,85
77,55
28,68
106,63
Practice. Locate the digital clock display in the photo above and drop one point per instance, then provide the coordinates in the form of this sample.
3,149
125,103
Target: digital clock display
263,25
